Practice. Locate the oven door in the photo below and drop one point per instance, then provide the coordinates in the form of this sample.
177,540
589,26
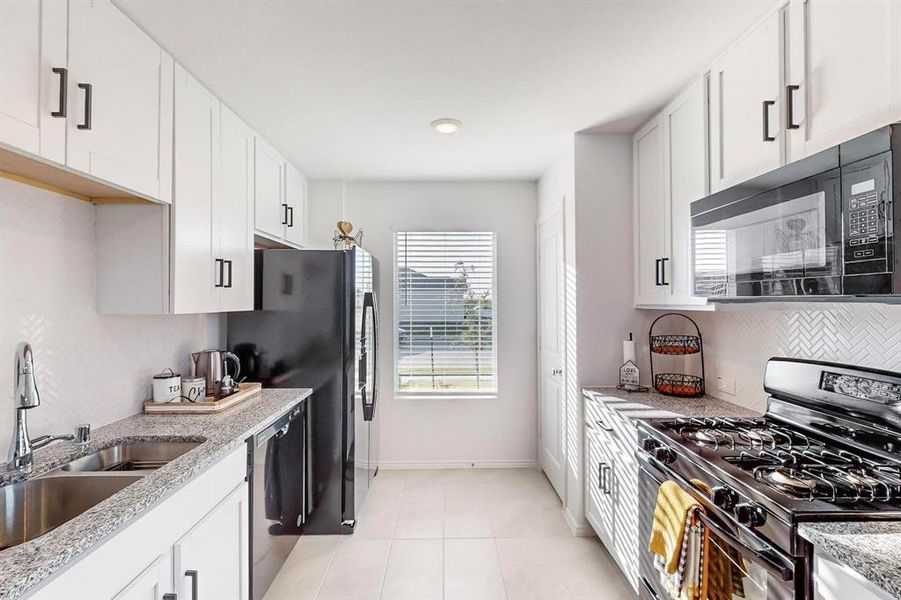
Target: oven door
783,242
739,567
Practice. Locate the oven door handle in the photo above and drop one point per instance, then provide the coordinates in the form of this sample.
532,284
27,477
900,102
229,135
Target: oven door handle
775,562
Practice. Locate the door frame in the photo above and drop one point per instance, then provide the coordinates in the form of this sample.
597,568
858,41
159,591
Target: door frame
561,212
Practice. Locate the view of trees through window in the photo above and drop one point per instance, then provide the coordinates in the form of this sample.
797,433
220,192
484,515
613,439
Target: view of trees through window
444,299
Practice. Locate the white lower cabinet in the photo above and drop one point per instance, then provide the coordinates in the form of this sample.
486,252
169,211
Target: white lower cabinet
202,528
835,581
152,583
213,556
611,484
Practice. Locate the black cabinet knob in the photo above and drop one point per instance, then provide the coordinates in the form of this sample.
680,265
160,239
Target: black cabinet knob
649,444
750,514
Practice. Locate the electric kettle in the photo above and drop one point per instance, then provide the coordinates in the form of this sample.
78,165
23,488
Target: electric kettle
212,366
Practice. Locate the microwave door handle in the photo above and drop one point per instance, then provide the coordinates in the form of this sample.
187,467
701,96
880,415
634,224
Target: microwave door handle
771,559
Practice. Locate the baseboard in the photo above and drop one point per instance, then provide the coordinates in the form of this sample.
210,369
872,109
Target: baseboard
478,464
579,530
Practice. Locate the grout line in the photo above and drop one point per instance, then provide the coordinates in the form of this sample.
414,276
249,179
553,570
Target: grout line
500,568
328,568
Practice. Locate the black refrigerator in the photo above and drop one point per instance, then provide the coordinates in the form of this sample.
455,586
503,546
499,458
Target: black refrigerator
315,325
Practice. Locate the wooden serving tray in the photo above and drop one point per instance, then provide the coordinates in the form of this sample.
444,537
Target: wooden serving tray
208,406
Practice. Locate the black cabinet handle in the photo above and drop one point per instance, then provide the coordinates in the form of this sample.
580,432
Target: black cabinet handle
663,280
290,216
193,575
170,596
229,263
766,121
657,271
63,96
789,107
88,101
601,476
285,218
220,264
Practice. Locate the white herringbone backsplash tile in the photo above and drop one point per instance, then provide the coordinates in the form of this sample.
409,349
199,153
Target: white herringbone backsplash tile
738,340
91,368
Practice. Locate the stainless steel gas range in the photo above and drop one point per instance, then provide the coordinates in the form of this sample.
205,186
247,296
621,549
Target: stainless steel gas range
827,449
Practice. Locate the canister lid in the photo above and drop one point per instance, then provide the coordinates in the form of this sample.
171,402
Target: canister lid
165,375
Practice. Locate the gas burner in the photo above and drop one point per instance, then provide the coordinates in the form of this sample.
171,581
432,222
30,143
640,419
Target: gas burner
788,479
736,432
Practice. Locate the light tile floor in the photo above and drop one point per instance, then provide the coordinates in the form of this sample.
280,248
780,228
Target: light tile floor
473,534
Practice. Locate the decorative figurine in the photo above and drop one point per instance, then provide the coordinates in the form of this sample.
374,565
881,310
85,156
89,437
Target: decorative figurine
342,238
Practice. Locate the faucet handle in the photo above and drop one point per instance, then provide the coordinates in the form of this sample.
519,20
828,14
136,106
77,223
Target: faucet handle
83,433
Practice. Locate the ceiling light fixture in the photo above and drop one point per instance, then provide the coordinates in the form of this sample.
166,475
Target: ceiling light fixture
446,125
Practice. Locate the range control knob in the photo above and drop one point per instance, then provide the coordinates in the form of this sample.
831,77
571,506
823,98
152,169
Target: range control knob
723,497
649,444
750,514
665,455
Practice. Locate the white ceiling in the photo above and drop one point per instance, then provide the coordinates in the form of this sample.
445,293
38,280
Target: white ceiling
347,89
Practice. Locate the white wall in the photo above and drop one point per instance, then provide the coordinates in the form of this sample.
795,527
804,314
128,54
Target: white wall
592,178
90,368
451,432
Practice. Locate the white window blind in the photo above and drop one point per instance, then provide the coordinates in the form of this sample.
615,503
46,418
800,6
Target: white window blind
444,298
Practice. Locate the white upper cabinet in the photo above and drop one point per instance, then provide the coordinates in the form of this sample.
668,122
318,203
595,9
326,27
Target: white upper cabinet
686,176
233,213
33,71
194,269
296,206
845,59
746,134
269,181
650,211
120,101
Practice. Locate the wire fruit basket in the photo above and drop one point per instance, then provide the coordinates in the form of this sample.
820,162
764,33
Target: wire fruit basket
683,385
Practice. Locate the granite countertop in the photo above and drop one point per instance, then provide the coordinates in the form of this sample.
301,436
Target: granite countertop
873,549
652,405
25,566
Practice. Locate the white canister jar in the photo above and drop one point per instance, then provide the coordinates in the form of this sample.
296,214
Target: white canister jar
166,386
194,388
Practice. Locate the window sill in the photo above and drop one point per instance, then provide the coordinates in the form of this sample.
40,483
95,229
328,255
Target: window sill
444,396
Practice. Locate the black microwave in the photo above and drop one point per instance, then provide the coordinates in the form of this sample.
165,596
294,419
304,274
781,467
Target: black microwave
814,229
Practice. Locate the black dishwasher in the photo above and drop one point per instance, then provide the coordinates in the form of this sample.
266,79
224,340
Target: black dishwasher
278,468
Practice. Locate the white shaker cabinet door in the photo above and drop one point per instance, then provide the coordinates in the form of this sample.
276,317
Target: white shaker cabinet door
33,68
195,274
651,220
296,200
746,135
269,181
233,212
845,59
686,181
213,556
120,101
152,583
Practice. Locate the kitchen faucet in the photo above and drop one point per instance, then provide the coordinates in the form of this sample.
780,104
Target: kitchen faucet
27,397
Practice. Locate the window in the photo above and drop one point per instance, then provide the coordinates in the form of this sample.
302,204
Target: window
445,314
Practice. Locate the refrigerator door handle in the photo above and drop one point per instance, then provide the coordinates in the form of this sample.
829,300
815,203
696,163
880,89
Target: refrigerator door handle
369,395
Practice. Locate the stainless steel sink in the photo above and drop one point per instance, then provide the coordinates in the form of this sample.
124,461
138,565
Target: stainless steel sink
131,456
34,507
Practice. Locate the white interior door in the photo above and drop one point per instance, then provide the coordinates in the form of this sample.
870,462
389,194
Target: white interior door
32,98
552,434
120,128
233,211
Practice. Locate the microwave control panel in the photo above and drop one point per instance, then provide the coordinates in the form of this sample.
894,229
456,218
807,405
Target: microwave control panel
866,220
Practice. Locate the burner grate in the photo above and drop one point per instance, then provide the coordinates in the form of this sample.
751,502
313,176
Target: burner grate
736,433
822,474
